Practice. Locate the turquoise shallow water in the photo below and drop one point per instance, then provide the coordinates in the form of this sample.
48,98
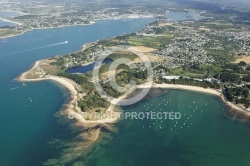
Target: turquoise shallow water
27,122
202,137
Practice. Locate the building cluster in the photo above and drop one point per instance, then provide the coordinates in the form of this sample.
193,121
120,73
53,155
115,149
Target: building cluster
37,21
231,40
76,59
212,80
6,5
114,13
187,48
190,44
49,22
243,37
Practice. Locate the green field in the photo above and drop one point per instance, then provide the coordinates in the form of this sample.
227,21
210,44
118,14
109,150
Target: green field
187,73
151,41
122,54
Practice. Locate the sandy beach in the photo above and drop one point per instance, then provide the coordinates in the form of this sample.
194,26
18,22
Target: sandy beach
72,111
183,87
197,89
93,128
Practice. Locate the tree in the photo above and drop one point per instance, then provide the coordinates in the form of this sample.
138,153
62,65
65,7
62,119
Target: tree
242,63
246,78
230,77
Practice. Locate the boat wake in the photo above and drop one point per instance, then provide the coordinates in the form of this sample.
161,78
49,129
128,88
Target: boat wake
51,45
66,42
38,48
15,88
24,85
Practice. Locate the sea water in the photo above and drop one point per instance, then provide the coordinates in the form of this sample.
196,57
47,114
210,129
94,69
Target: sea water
27,123
4,14
201,137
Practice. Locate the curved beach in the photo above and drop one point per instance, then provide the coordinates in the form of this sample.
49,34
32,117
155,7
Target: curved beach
198,89
72,111
91,130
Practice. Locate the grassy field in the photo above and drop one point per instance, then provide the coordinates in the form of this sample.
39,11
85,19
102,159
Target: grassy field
122,54
182,72
49,69
151,41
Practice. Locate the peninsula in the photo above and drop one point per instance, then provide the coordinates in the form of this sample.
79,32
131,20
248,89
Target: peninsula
59,15
199,69
208,55
203,54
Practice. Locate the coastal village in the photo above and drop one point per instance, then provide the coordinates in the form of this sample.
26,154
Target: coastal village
43,16
171,48
196,67
39,22
185,52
